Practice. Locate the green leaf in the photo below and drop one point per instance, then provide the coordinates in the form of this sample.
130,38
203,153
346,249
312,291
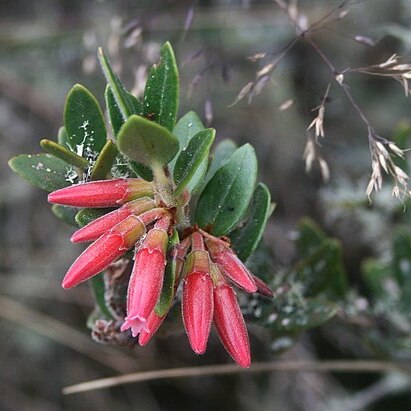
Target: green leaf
67,214
192,157
62,137
160,102
136,104
246,238
115,115
84,122
63,153
87,215
186,128
122,97
43,170
222,153
124,167
299,317
146,142
227,195
167,292
105,161
141,170
98,289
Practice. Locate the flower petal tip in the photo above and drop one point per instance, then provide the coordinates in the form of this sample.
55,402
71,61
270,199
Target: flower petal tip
199,351
137,325
75,238
68,283
244,362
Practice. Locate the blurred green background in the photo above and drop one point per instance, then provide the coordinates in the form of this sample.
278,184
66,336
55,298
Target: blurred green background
47,46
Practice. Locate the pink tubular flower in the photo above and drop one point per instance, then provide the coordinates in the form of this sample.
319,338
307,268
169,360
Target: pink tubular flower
96,228
197,303
230,324
104,193
231,266
104,251
152,325
146,281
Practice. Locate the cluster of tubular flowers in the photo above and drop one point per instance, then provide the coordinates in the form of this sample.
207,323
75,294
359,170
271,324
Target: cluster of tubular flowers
204,264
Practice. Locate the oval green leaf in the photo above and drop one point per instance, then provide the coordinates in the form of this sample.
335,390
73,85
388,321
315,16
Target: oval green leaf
84,123
191,158
222,153
245,239
186,128
43,170
227,195
105,161
146,142
160,102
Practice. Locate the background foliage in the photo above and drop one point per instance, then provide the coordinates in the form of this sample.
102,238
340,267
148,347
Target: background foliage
327,250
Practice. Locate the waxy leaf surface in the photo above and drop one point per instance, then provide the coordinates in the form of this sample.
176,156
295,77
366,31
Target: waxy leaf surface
192,157
246,238
63,153
227,195
43,170
146,142
222,153
84,123
104,161
160,102
186,128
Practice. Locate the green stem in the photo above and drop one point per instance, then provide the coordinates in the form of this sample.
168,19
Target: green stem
181,217
163,185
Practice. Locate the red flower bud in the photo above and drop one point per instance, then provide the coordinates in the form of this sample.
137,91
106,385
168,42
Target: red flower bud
96,228
146,280
231,266
197,304
230,325
104,251
152,325
263,288
104,193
